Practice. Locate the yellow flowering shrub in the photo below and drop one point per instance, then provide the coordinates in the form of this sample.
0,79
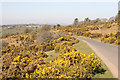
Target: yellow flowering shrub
111,38
28,62
64,47
17,59
42,54
91,63
57,48
85,65
21,37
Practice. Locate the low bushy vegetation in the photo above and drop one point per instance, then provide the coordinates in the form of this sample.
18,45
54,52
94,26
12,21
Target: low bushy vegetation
24,56
93,31
112,38
28,62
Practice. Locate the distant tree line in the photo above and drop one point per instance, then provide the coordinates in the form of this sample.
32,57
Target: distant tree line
97,20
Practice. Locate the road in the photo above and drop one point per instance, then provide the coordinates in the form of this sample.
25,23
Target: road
108,54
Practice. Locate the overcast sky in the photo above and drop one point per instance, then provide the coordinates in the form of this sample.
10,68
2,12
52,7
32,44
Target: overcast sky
55,12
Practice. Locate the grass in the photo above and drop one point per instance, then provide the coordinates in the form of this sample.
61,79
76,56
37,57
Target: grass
15,30
51,55
84,48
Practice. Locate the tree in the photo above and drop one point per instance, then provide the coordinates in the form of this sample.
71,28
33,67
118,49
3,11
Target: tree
54,26
87,19
58,25
75,21
97,20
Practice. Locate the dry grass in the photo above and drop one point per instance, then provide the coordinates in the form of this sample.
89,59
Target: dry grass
113,29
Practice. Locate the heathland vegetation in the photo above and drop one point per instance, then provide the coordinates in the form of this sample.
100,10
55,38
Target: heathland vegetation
53,52
106,32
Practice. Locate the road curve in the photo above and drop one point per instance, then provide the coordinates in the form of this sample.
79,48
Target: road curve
108,54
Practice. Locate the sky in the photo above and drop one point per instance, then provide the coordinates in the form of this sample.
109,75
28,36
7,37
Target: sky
62,13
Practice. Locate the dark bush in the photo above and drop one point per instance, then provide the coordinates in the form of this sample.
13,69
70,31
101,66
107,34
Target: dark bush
28,30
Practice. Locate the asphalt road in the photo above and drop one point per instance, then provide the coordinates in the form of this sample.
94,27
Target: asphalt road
108,54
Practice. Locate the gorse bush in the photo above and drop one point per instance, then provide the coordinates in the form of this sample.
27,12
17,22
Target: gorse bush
64,47
85,64
117,42
57,48
94,28
112,38
27,60
95,35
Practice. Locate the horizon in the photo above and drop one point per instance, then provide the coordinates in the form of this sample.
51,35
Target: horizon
62,13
